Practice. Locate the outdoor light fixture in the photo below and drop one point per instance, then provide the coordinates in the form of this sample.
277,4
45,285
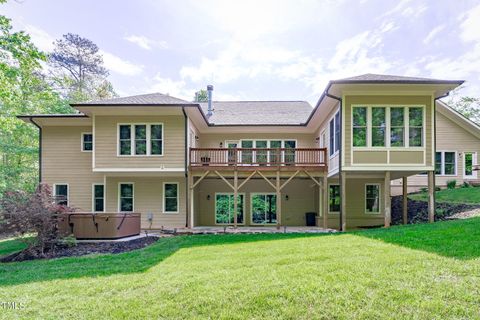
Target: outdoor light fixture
208,197
286,197
196,138
221,144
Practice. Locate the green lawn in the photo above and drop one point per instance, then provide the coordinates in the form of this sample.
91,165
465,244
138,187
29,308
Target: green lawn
10,245
417,271
459,195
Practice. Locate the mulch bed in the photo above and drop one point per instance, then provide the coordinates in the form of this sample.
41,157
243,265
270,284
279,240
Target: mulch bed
80,249
418,210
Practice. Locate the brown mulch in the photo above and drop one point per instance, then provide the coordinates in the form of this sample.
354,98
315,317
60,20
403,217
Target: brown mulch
80,249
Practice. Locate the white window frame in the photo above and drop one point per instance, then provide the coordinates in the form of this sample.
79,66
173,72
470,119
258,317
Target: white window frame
406,131
333,136
119,197
442,167
178,200
474,162
251,209
55,191
328,198
228,194
379,198
254,146
83,141
148,138
93,196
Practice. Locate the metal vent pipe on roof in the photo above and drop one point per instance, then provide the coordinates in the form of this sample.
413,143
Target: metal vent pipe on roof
209,92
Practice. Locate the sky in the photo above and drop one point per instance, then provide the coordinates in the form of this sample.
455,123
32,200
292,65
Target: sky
262,50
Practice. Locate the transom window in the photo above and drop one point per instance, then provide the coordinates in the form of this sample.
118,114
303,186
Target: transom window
389,126
140,139
61,194
224,208
87,142
446,163
125,197
372,198
334,198
170,197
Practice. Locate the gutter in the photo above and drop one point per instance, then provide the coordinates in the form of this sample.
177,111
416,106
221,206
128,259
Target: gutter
186,165
39,149
340,145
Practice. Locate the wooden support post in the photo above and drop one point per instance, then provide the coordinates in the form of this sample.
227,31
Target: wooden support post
324,203
343,196
405,199
235,198
279,201
387,202
431,196
191,192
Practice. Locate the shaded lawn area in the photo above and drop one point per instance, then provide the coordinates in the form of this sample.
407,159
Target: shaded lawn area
8,246
416,271
458,195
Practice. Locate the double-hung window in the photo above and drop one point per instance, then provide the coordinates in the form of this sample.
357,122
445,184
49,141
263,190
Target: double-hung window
98,198
360,127
397,127
140,139
61,194
372,198
415,127
334,198
87,142
445,163
334,133
170,197
125,197
378,126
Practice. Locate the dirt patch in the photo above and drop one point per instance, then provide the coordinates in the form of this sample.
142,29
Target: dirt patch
80,249
418,210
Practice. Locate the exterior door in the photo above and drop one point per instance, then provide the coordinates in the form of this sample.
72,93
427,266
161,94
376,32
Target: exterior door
232,157
469,161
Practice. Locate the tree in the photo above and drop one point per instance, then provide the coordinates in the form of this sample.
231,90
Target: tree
78,69
469,107
201,96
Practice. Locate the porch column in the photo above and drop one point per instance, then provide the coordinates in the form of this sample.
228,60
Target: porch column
279,201
324,204
431,196
405,199
343,197
190,199
235,200
387,209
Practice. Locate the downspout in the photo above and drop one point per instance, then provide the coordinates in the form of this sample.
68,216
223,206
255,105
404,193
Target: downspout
186,166
339,155
39,149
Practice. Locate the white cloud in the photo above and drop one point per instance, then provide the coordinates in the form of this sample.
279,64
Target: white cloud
42,39
407,9
471,25
171,87
146,43
119,65
432,34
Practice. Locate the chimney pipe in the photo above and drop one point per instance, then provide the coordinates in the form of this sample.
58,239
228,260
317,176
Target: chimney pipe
209,92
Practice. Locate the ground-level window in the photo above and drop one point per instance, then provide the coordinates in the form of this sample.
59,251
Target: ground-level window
126,194
224,208
468,163
61,194
264,208
372,198
445,163
334,198
87,142
170,197
98,198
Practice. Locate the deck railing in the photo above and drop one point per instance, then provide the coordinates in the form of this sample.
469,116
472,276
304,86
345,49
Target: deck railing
261,157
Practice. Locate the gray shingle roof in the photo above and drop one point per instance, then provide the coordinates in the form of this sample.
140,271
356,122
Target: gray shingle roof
143,99
258,112
371,77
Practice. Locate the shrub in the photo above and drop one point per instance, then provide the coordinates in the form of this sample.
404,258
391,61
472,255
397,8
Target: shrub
438,189
466,185
451,184
37,213
424,190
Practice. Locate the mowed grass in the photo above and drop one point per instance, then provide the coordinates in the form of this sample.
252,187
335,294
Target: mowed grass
8,246
458,195
429,271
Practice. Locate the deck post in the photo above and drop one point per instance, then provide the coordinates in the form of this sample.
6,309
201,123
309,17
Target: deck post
431,196
343,201
235,198
279,201
387,209
324,203
405,199
190,199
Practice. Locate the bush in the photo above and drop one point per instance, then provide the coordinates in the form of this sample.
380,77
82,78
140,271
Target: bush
466,185
438,189
37,213
451,184
424,190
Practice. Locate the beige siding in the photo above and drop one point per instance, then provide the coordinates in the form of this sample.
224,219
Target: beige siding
64,162
333,161
106,136
387,100
148,198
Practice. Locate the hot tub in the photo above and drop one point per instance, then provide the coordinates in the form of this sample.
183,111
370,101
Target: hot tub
86,225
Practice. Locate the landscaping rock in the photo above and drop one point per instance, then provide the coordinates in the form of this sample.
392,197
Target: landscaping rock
81,249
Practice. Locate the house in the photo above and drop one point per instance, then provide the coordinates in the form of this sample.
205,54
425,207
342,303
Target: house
249,163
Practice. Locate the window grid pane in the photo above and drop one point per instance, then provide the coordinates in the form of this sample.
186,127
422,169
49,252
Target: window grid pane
156,139
334,198
61,194
415,120
359,127
98,197
397,127
87,142
372,198
126,197
125,140
171,197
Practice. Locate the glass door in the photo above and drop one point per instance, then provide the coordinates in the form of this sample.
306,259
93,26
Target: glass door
224,208
232,158
264,208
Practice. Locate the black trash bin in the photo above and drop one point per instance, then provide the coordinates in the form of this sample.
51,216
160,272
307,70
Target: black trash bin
310,218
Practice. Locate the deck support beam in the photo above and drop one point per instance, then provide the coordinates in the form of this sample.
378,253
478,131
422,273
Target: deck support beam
343,202
279,200
324,203
405,200
387,202
235,198
190,199
431,196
